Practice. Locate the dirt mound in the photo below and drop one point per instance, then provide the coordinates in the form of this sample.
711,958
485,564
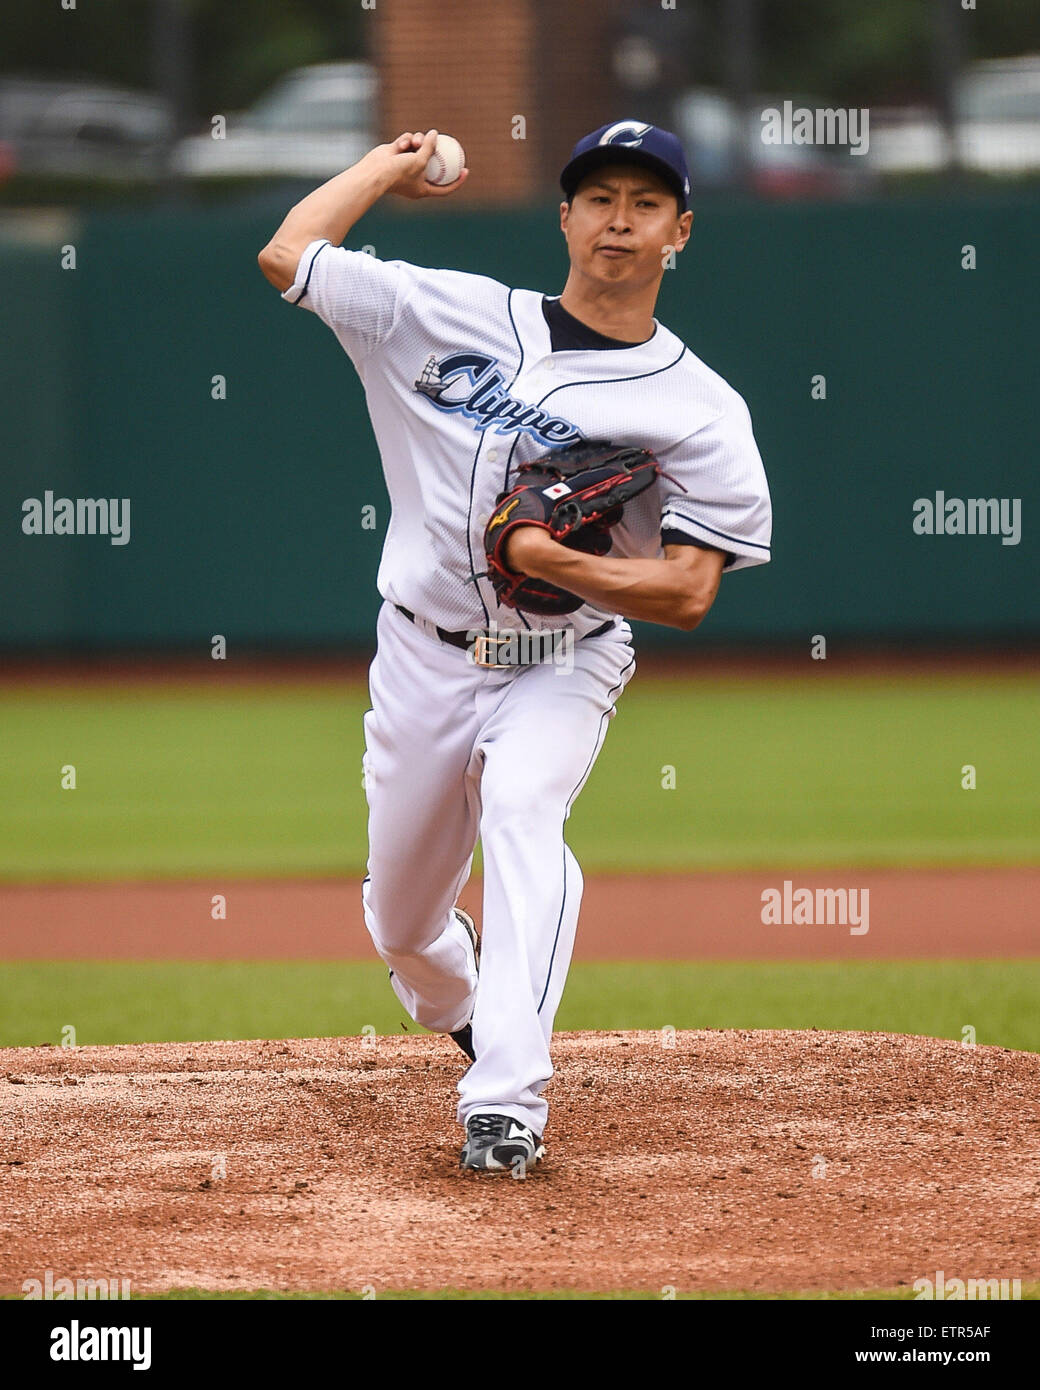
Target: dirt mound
696,1160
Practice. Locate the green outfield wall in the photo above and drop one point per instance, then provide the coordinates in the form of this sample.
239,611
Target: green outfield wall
244,512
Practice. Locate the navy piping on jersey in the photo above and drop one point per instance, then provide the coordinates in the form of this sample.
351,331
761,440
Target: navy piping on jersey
640,376
581,781
735,539
476,457
671,536
516,435
469,537
614,381
310,272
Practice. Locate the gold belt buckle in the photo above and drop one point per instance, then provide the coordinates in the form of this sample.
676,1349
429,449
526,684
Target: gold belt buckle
485,649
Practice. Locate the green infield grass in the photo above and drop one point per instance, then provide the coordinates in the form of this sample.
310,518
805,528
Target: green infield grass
131,1002
266,779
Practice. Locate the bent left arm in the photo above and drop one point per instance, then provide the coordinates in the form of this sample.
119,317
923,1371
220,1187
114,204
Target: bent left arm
676,591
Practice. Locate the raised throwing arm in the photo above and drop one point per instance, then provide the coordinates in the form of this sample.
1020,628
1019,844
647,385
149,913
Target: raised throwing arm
331,210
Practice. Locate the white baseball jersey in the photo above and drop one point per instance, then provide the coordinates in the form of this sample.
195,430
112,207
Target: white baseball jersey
462,384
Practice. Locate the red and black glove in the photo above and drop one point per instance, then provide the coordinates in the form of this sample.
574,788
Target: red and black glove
577,494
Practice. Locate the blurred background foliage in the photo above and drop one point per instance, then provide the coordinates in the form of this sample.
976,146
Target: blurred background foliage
837,49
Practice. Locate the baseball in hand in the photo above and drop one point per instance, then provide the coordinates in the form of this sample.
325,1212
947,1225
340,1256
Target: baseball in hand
447,161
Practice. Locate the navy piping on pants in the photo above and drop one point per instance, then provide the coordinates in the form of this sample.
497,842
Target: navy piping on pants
588,767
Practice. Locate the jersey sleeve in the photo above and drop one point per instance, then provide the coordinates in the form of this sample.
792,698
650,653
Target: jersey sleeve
670,536
358,296
726,503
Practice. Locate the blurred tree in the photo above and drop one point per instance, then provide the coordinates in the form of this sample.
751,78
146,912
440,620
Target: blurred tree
854,53
241,48
843,50
237,48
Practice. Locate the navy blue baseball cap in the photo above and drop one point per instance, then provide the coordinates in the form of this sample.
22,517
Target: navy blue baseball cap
630,142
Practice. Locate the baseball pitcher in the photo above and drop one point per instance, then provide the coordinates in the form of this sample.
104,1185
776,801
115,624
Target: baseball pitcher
556,465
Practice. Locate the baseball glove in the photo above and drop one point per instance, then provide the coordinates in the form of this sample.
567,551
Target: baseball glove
577,494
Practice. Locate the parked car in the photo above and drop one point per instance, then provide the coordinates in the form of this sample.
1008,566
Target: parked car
996,123
63,127
313,122
712,130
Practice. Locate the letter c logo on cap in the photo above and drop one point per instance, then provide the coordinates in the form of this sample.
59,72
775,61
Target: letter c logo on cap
635,129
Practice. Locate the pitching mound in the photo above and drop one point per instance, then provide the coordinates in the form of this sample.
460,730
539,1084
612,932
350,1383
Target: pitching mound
702,1160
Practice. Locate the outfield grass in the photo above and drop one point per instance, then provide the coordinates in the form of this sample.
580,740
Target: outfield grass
128,1002
267,780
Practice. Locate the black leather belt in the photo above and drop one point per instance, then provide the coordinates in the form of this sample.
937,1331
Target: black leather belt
518,647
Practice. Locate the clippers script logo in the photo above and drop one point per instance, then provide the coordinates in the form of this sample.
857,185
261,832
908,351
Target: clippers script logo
471,384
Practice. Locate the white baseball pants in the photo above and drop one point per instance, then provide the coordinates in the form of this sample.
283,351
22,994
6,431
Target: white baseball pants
454,750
